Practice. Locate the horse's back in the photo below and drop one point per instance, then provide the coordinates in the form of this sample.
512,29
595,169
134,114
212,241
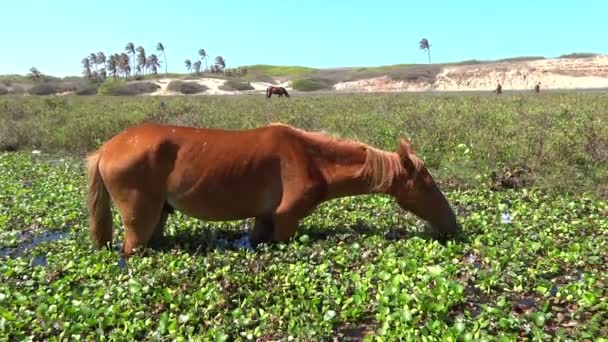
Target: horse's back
167,147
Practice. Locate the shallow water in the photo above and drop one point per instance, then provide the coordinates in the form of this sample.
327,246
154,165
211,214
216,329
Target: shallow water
28,244
30,241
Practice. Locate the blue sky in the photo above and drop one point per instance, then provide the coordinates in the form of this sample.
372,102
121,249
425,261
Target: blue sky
55,35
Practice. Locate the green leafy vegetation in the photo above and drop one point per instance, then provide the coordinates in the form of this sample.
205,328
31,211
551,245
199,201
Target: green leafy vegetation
526,176
533,267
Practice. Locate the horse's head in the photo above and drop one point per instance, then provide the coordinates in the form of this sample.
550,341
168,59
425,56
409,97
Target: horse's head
416,191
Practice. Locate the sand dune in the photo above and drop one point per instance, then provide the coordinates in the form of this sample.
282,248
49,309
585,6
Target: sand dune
562,73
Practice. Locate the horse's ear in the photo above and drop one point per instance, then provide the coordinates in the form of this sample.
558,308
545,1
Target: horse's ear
410,162
405,148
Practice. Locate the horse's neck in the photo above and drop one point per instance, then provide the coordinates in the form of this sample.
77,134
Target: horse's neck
340,165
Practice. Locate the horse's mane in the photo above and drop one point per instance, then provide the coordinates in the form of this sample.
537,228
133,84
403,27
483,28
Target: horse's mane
380,167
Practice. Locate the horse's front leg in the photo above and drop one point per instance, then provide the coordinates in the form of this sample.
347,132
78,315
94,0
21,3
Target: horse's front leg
288,216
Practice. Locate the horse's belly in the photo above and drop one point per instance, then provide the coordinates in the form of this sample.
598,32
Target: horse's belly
227,203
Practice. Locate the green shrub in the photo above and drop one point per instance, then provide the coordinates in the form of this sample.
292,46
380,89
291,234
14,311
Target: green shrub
122,88
87,90
232,85
309,84
109,86
49,88
186,87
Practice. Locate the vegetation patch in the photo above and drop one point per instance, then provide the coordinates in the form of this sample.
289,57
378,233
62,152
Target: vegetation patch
3,90
89,89
184,87
277,70
232,85
122,88
521,59
579,55
560,138
50,88
310,84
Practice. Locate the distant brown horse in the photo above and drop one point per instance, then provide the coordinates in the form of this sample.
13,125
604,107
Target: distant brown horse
277,174
276,90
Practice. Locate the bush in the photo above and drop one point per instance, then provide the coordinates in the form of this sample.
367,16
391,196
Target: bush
87,90
186,87
232,85
3,90
579,55
122,88
17,90
309,84
47,89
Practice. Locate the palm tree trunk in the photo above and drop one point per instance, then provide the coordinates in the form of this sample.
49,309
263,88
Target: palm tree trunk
429,52
165,58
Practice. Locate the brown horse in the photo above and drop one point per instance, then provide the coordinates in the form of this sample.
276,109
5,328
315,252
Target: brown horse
277,174
276,90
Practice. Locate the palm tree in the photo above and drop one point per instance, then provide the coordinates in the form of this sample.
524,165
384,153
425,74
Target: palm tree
100,58
203,54
34,74
220,62
123,64
86,66
188,64
113,65
153,63
197,67
161,48
93,61
424,45
141,59
130,49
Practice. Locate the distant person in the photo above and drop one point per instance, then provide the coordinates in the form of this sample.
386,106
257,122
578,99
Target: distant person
498,89
537,87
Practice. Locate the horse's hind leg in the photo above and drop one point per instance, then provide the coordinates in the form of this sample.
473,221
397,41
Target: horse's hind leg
262,230
141,215
158,236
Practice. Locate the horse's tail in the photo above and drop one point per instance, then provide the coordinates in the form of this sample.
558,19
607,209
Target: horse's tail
98,203
268,91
